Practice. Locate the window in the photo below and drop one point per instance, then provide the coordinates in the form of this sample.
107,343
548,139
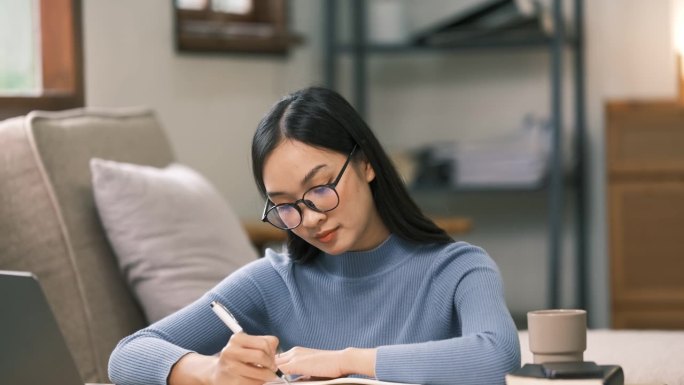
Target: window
40,56
19,49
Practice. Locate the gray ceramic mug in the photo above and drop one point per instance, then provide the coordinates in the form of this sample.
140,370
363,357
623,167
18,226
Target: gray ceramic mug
557,335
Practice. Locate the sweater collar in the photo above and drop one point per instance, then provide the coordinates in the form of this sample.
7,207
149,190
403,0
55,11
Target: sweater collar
356,264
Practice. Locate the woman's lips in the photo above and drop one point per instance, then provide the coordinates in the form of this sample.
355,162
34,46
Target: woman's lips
326,236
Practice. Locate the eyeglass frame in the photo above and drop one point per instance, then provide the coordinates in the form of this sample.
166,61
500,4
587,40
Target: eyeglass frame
295,204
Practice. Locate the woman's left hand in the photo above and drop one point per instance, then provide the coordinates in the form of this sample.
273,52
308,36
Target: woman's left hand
327,363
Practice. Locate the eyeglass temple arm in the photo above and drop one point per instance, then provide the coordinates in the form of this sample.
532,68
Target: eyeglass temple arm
339,176
263,215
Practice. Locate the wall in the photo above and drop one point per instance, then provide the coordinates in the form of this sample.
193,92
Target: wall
629,56
210,105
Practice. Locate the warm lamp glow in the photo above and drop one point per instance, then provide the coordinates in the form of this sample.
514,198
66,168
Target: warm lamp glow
678,31
678,8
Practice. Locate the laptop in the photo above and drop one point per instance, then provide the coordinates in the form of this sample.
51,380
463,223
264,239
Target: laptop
32,348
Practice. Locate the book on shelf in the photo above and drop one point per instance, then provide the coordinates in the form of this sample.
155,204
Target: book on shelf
339,381
471,21
567,373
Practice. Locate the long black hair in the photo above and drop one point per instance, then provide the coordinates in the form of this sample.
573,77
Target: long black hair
322,118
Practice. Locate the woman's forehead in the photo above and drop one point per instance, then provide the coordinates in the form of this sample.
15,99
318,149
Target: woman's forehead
296,152
290,161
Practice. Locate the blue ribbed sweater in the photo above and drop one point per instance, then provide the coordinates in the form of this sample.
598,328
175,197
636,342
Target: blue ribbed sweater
436,313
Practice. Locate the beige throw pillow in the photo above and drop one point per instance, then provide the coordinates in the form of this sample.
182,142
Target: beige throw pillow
174,236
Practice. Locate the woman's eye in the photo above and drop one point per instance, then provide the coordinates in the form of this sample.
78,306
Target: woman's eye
319,190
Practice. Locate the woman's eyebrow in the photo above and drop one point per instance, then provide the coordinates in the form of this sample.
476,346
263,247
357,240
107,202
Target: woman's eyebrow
309,175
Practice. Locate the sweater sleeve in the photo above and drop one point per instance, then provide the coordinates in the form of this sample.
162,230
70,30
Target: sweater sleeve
147,356
486,350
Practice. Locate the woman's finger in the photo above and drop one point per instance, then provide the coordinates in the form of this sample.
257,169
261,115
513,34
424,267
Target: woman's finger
311,362
254,357
253,350
244,372
256,373
268,344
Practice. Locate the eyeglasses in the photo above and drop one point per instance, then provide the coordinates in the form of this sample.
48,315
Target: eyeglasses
321,198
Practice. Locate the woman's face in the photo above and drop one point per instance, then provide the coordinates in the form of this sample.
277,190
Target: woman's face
294,167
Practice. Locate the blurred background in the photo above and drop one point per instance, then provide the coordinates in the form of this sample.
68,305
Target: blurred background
494,110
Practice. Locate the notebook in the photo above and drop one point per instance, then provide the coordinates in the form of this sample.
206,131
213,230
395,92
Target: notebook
338,381
32,348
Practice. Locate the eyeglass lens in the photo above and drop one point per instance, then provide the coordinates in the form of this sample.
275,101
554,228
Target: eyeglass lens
318,198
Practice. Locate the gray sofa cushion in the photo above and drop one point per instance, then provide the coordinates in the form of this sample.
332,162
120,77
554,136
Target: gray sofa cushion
174,235
49,224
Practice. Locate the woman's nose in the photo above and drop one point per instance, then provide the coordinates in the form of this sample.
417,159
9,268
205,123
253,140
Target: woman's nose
311,218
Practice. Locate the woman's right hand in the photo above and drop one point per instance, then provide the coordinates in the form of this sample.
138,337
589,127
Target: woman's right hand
245,360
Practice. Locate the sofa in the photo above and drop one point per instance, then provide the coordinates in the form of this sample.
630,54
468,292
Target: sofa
50,225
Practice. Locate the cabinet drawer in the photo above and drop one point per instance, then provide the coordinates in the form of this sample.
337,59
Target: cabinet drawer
663,319
645,137
647,241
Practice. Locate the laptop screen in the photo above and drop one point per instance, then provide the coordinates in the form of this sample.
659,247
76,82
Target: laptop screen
32,348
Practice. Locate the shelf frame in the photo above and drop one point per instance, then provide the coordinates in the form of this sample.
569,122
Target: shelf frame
556,44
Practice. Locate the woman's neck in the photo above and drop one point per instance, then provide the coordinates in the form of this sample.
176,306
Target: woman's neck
357,264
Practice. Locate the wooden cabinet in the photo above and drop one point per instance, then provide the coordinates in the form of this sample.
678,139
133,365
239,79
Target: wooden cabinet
645,162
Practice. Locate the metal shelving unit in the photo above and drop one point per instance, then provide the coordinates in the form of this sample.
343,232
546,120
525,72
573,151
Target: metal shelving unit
360,49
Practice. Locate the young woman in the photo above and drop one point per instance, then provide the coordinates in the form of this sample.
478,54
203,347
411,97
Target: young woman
368,286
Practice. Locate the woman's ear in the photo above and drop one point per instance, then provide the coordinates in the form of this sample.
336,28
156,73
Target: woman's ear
368,170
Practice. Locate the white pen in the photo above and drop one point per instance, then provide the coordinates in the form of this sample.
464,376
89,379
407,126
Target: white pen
230,321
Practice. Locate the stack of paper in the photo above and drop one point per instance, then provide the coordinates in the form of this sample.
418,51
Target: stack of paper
519,159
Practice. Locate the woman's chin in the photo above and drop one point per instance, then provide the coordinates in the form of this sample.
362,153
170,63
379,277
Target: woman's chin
333,248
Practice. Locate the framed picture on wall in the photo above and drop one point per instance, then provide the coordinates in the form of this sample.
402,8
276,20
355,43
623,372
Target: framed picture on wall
245,26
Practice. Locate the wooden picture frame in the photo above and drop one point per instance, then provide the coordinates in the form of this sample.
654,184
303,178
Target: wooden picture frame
262,29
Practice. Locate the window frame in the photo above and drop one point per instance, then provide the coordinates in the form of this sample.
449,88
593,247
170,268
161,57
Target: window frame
61,46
